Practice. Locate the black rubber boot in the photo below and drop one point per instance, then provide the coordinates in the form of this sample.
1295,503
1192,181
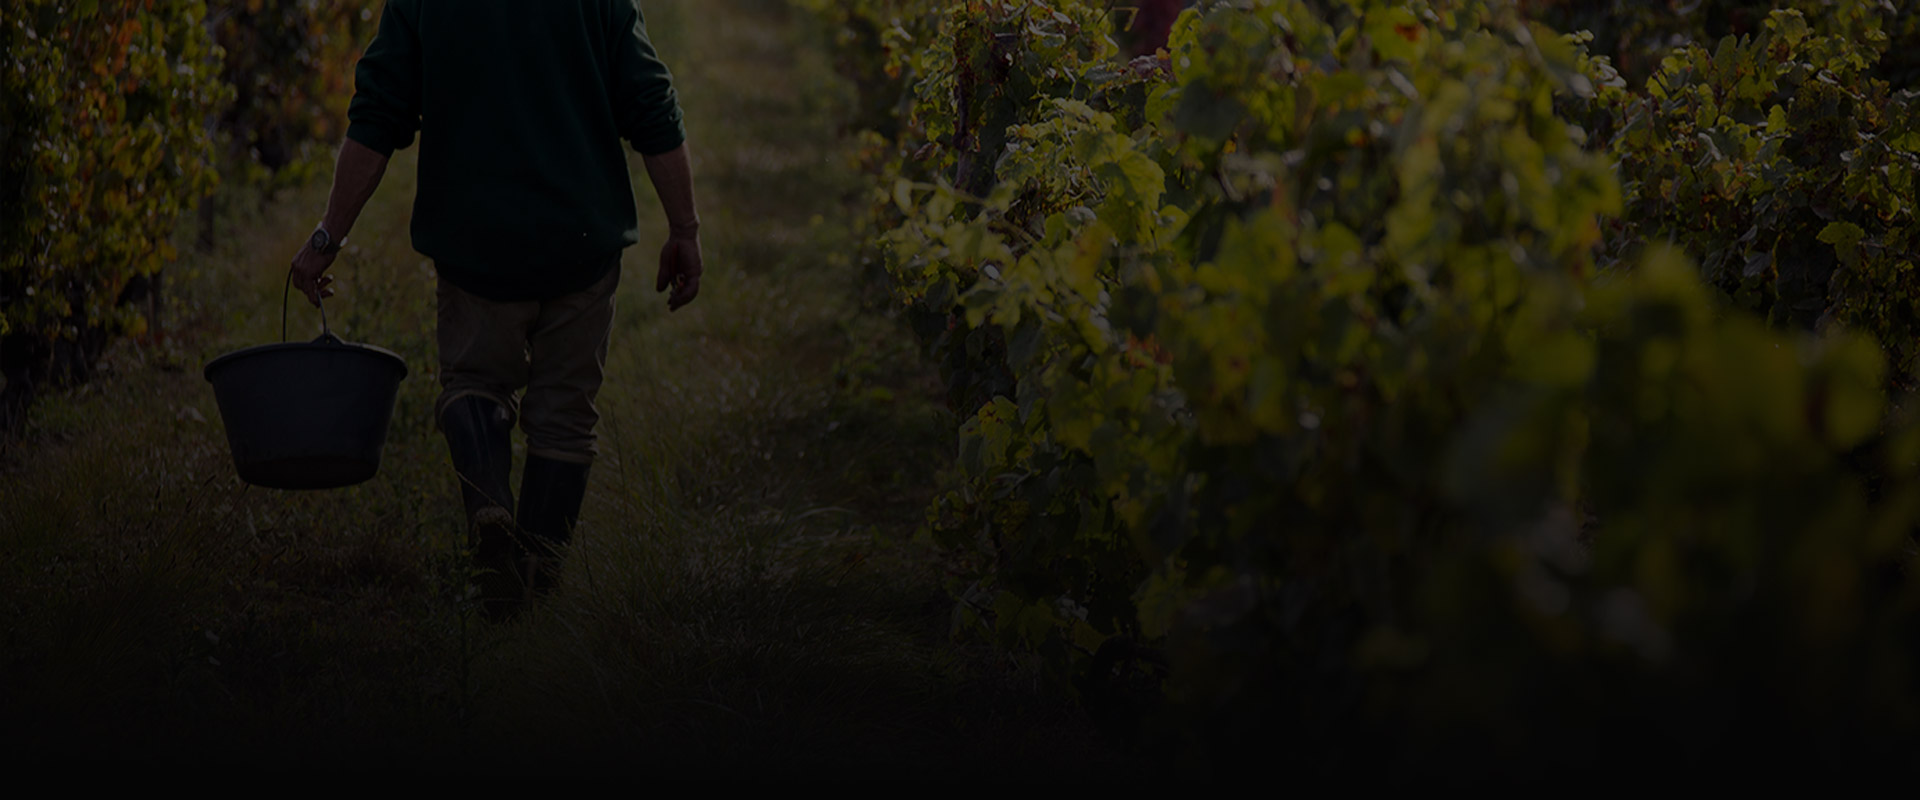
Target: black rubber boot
550,496
479,434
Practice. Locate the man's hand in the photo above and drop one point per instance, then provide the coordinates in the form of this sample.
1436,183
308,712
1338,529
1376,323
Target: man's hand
672,176
680,267
309,273
355,175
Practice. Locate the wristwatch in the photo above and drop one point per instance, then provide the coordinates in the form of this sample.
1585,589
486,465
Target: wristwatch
322,242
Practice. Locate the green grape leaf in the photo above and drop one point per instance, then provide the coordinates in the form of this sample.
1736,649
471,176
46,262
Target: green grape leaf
1206,113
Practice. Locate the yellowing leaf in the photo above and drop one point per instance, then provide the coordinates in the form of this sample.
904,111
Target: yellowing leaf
1842,234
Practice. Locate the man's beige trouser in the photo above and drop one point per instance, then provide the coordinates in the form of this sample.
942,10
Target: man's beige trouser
556,350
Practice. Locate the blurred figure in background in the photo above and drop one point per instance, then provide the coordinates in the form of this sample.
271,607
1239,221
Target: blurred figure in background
524,205
1152,24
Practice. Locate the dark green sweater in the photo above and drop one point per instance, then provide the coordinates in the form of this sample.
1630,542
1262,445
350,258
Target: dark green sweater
520,106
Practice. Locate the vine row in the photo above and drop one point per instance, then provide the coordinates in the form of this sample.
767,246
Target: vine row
1372,377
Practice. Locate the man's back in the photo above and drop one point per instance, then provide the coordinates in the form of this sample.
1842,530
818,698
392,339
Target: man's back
525,206
520,106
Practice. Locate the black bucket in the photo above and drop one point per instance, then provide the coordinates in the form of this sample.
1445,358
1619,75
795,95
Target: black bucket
307,415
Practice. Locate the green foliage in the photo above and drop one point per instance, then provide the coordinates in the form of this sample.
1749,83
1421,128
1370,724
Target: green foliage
103,144
1288,365
290,63
1744,576
874,39
1779,162
1638,35
111,126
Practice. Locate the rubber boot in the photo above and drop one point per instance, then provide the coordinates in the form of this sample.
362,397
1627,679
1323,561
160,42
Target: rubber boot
479,434
550,496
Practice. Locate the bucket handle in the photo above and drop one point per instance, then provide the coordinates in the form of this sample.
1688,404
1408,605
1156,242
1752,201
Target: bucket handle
326,331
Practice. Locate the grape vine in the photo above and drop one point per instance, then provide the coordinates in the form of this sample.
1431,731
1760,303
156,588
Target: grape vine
116,120
1330,374
103,142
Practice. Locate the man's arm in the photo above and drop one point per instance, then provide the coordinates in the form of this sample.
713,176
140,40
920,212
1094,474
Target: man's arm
355,176
384,116
680,260
648,114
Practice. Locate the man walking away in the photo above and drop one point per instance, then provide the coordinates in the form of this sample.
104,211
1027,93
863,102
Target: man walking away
524,204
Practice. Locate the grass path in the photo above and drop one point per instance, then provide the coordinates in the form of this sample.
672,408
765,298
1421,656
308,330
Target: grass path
746,597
